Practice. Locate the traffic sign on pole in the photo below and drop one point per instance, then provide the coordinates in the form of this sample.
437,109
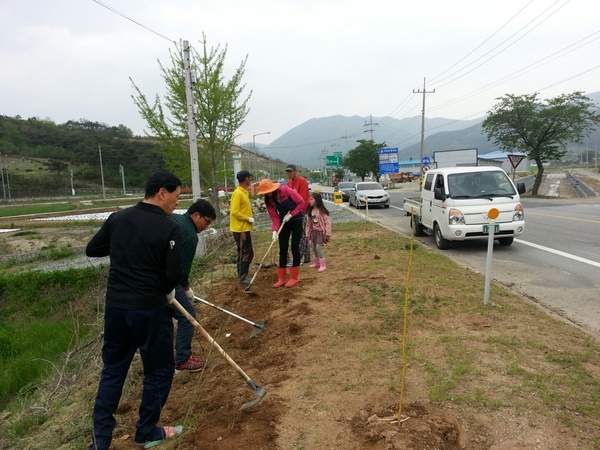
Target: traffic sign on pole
515,160
334,160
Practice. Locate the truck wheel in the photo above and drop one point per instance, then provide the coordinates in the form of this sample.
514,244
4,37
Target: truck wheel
417,227
441,242
506,241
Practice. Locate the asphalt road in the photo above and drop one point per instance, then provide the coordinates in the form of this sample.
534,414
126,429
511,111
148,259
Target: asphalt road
555,263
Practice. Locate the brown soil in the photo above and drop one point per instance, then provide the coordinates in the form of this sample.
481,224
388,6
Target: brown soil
331,358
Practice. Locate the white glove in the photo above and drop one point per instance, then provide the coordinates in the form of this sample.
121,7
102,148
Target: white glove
251,219
190,294
287,217
171,296
275,235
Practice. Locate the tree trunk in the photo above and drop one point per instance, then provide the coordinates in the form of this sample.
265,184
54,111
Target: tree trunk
538,178
215,191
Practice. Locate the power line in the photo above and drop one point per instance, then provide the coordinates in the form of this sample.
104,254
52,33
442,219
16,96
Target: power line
487,53
424,91
502,43
480,45
110,8
541,62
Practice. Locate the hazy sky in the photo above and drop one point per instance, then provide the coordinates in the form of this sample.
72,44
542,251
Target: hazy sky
72,59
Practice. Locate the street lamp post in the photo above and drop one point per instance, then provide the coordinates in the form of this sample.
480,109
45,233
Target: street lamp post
254,144
254,140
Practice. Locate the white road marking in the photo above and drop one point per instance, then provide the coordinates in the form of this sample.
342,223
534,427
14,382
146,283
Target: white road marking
558,252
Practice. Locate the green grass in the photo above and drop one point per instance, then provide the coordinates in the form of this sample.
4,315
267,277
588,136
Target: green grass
50,253
53,206
29,351
39,316
40,294
36,209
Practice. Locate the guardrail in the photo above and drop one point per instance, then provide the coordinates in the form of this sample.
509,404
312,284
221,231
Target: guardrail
580,188
327,196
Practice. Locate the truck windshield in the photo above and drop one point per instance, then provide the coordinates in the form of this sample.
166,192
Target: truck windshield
480,184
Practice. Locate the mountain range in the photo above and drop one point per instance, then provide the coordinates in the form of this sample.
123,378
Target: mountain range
309,143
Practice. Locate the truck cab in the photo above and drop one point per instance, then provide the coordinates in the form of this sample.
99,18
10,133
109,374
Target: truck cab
455,203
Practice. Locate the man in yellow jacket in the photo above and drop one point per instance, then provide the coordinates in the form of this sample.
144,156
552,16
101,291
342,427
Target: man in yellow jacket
241,223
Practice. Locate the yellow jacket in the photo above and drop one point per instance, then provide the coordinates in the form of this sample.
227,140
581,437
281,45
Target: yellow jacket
240,210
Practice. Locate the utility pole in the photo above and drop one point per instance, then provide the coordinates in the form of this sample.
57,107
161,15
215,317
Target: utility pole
2,173
122,172
191,122
424,91
370,124
324,162
345,137
102,172
7,180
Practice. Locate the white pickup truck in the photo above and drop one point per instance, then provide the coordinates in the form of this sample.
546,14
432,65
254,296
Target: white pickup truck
455,202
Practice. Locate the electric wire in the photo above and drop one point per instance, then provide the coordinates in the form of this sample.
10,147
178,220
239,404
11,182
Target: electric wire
502,50
487,53
502,43
481,45
539,63
110,8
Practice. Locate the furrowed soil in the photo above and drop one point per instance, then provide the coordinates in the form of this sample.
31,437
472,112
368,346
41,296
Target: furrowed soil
390,348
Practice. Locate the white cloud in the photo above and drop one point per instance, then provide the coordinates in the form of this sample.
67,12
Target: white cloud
69,60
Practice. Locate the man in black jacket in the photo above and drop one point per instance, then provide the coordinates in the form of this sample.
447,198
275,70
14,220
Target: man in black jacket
145,252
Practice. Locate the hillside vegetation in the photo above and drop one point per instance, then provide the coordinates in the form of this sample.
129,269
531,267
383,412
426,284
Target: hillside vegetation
39,156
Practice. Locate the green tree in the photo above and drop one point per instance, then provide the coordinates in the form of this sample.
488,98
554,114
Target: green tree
339,173
219,112
364,159
56,166
540,128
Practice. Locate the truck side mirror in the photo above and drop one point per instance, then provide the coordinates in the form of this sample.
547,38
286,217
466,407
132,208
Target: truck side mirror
439,194
521,189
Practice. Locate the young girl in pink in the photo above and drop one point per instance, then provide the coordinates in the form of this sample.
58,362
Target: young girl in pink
318,229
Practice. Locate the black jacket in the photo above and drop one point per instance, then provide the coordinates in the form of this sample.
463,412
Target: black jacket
145,252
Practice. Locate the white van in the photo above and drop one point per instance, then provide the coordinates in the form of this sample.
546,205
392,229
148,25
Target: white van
455,202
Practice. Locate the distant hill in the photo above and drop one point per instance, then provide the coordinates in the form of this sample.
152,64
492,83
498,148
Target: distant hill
308,143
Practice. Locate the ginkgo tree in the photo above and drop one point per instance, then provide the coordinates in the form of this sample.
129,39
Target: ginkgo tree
220,109
541,129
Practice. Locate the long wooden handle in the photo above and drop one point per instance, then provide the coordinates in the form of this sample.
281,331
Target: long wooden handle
194,322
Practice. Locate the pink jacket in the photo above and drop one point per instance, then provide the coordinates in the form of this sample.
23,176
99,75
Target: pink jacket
323,224
288,201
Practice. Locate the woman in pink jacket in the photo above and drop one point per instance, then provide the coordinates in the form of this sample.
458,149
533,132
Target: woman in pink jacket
285,207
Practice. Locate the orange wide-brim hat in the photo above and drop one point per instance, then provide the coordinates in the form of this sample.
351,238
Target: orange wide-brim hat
267,186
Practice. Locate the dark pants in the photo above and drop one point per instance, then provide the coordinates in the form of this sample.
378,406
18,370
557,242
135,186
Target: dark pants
125,331
245,251
185,330
292,228
304,243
